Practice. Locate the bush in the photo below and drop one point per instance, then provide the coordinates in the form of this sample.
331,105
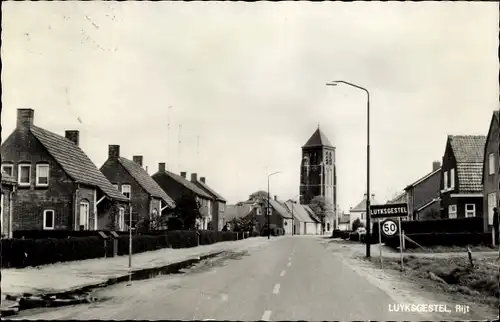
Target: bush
356,224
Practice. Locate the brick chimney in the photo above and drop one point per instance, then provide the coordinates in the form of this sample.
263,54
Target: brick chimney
194,177
137,159
73,136
202,179
183,174
25,118
436,165
161,167
113,152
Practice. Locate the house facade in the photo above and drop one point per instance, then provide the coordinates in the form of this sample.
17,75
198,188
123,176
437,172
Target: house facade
58,186
359,211
423,195
146,197
303,222
218,205
345,222
8,189
461,189
490,177
177,186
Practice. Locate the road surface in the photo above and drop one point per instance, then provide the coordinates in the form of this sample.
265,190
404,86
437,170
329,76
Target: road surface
293,278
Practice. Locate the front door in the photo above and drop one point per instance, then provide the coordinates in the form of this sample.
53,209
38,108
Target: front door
84,215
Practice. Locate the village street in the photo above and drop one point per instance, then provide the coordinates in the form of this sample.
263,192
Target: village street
293,278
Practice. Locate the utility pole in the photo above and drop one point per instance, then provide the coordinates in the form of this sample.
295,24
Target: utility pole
168,137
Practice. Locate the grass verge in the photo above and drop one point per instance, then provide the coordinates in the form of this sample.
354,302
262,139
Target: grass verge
451,249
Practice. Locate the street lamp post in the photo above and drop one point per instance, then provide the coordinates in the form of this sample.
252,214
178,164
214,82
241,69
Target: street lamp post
368,215
268,215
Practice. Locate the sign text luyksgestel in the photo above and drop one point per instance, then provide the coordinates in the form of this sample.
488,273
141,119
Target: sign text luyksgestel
390,210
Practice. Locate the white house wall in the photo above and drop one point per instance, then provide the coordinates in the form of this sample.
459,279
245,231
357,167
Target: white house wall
287,226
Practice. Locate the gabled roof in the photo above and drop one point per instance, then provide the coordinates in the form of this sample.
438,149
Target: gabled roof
469,177
279,209
237,211
299,212
75,162
468,148
361,206
318,139
145,181
427,176
8,179
496,118
186,183
211,191
401,198
427,204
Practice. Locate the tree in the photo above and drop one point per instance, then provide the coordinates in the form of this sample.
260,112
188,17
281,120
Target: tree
258,195
322,209
356,224
242,224
187,211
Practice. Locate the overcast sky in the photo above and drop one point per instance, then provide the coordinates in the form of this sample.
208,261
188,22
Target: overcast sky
249,79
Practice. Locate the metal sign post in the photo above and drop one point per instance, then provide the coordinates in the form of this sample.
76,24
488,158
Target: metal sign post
400,242
380,243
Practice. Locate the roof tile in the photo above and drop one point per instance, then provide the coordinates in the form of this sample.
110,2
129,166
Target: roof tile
211,191
317,139
468,148
75,162
186,183
470,177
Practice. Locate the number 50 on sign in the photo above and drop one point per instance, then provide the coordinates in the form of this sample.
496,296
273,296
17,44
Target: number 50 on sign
389,227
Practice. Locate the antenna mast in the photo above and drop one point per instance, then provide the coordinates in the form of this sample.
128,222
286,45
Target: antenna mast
179,147
198,153
168,137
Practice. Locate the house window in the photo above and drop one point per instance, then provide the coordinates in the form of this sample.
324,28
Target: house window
8,169
42,175
445,178
362,216
48,219
452,211
126,190
492,203
491,163
115,186
24,175
452,178
470,210
84,215
121,219
209,207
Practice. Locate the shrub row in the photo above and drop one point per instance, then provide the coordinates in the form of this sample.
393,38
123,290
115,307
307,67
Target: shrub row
443,239
18,253
458,225
43,234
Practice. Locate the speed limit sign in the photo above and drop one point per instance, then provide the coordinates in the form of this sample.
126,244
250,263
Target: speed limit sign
389,227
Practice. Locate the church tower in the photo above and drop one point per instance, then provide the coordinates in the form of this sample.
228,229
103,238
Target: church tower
318,175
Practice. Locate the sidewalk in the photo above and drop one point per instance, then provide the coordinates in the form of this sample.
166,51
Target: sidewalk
68,276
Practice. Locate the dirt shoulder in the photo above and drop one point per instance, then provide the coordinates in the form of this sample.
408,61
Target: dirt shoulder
414,286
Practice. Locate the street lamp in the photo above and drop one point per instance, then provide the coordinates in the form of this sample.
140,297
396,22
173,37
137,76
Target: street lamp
268,215
368,215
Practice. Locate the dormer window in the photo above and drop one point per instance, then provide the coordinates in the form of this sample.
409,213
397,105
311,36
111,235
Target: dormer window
42,175
452,179
491,163
126,190
445,180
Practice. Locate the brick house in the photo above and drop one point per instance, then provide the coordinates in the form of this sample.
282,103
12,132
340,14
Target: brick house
422,195
58,186
146,197
461,190
177,186
8,190
218,206
490,178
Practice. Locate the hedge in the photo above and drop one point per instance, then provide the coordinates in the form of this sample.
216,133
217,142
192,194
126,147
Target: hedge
18,253
443,239
43,234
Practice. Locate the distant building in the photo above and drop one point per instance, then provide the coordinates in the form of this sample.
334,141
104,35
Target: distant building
490,176
345,222
58,186
318,173
423,195
218,206
303,222
359,211
461,176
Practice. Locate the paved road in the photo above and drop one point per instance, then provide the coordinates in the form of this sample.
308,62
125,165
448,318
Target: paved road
293,278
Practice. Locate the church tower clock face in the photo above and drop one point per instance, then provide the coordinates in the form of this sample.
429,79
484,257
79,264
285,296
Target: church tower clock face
317,169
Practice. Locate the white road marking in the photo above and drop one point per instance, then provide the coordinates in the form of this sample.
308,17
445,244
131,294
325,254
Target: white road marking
290,258
276,289
266,316
224,297
289,264
282,273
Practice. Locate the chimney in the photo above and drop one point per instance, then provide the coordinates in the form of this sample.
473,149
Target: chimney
202,179
194,177
183,174
113,152
25,118
276,197
137,159
73,136
436,165
161,167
